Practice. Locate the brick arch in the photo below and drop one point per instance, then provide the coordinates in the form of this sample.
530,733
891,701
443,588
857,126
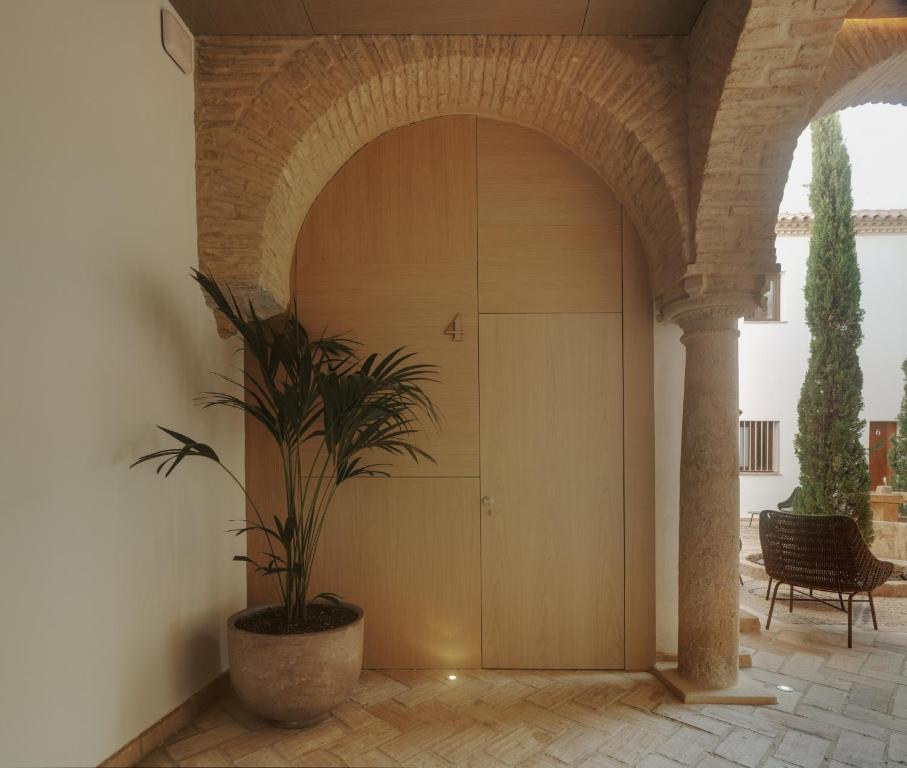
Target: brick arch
277,118
868,65
788,66
768,81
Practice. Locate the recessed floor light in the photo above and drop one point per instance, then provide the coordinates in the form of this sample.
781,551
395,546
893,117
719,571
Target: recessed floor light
785,688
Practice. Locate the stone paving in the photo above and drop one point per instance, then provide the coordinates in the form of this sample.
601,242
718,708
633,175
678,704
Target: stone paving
847,709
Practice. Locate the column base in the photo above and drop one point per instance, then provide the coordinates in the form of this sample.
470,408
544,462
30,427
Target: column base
745,691
746,659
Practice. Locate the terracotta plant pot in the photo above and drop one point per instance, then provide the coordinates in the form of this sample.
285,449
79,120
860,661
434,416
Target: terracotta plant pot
294,680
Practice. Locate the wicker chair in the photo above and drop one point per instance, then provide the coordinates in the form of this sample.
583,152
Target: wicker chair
783,506
825,553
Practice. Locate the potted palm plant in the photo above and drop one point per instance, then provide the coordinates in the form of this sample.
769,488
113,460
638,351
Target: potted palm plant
328,411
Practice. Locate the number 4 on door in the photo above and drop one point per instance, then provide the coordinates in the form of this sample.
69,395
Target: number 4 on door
454,329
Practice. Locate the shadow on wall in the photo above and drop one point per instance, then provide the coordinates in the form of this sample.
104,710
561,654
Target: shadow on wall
166,311
198,657
199,654
167,314
160,307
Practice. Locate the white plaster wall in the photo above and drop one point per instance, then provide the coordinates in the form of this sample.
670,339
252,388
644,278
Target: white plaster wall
670,356
773,359
115,583
883,261
773,356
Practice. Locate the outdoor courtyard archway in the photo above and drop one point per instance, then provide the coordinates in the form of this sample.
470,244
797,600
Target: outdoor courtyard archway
747,150
703,189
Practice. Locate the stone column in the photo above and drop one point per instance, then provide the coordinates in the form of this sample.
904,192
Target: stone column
709,493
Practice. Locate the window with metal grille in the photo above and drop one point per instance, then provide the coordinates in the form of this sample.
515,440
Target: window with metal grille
772,311
758,446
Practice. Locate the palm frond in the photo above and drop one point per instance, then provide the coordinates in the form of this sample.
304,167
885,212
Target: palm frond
172,457
304,390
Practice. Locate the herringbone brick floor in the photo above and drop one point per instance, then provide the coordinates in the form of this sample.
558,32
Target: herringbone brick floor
848,710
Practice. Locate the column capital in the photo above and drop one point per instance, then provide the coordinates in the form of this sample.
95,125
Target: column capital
709,312
713,296
712,293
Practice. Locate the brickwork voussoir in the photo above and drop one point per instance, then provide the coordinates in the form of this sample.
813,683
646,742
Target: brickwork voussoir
793,59
868,64
763,106
276,118
695,136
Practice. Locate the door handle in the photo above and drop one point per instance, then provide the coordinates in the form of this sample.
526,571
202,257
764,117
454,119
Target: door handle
488,503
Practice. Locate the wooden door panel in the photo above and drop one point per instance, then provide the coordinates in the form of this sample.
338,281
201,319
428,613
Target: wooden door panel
387,257
552,459
264,484
639,455
880,434
549,269
409,197
526,179
407,551
391,305
549,230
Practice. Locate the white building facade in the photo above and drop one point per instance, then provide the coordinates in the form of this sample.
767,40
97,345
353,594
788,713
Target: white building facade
774,352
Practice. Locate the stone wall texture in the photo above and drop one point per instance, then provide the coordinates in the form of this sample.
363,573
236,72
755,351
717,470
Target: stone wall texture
695,135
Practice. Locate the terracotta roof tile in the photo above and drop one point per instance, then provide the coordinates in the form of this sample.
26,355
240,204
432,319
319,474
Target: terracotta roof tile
889,221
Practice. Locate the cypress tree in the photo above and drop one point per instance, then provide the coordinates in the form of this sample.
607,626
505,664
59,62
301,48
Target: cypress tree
897,454
834,472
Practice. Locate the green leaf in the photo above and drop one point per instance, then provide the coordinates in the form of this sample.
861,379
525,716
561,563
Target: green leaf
173,433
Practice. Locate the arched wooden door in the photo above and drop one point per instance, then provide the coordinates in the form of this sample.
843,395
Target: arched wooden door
498,232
